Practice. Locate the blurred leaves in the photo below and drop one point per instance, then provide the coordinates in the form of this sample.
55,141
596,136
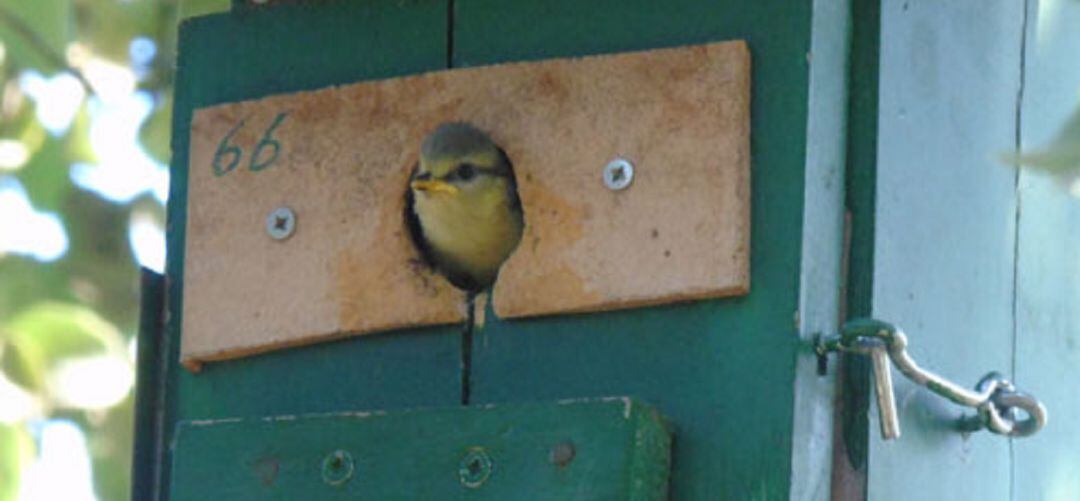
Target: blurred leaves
107,28
155,133
46,185
111,446
38,339
191,8
36,31
16,449
74,316
1061,158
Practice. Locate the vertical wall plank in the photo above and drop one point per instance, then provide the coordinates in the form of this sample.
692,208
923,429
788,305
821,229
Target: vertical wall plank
945,232
1047,465
822,237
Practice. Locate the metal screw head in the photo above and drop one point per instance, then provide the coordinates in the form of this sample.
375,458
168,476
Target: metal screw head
618,174
562,453
281,223
337,467
475,468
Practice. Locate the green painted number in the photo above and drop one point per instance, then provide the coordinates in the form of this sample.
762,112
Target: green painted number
227,150
266,152
265,142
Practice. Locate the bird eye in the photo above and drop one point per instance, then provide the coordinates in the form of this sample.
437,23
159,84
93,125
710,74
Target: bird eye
466,172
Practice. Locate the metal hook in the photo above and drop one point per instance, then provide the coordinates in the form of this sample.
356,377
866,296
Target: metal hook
995,398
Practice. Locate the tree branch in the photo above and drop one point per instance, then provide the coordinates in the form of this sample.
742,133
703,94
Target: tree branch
13,22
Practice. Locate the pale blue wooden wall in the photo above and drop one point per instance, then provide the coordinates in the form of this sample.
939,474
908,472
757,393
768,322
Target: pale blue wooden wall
1047,357
822,241
979,264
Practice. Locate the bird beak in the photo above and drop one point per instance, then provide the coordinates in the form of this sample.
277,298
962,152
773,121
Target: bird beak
434,186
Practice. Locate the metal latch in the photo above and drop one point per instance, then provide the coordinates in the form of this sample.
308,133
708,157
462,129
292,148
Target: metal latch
995,399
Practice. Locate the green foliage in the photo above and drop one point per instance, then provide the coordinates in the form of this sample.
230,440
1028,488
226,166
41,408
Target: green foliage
156,132
46,185
85,304
31,27
16,449
39,338
192,8
108,27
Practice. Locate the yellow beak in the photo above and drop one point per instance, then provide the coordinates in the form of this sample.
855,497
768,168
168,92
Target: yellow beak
435,186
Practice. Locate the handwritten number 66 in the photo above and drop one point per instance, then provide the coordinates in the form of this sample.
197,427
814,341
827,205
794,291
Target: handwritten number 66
228,155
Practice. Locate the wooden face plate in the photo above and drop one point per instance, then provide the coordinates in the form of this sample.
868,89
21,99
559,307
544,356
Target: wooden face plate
339,159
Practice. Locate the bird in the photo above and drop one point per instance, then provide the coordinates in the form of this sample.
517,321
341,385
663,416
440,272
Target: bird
462,209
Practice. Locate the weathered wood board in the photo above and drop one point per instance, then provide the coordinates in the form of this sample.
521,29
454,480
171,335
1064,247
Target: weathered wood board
620,448
944,225
340,158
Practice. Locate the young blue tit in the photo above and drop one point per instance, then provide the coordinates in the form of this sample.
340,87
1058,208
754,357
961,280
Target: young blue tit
462,205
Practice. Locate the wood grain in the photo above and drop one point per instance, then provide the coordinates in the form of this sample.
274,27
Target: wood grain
681,231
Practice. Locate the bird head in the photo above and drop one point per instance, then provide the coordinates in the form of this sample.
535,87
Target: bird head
459,161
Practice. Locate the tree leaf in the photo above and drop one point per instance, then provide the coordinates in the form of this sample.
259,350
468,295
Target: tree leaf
24,365
16,449
155,133
36,32
45,176
45,334
107,28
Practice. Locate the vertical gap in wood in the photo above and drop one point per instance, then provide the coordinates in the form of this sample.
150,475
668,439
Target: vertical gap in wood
466,346
848,483
1016,228
470,301
861,164
449,33
860,178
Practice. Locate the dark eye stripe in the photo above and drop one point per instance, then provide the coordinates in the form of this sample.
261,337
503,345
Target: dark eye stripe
466,171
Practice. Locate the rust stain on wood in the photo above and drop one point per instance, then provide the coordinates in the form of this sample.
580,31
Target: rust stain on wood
343,154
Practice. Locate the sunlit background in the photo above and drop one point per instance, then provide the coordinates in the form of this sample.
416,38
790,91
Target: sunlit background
85,90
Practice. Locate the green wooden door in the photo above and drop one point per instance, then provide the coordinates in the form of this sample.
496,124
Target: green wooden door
750,417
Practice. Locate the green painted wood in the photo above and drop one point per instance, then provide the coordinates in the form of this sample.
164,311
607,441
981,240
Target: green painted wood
722,370
245,55
945,233
614,448
1047,465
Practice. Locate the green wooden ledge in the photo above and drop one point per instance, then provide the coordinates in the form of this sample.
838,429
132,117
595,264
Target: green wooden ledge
609,448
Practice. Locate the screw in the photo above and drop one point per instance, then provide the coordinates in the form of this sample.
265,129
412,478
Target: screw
618,174
281,223
562,453
337,467
475,468
267,468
